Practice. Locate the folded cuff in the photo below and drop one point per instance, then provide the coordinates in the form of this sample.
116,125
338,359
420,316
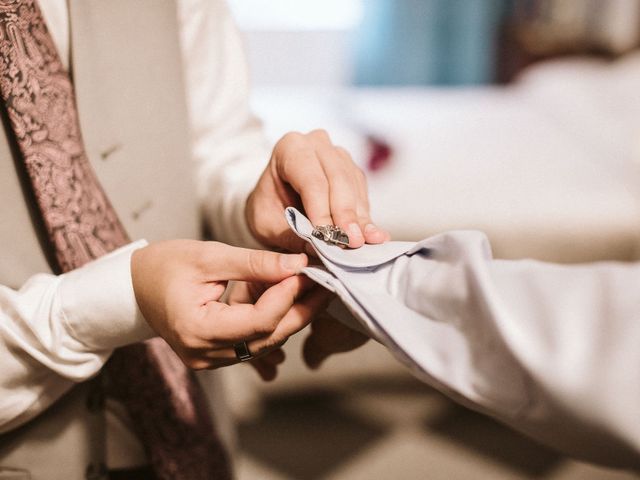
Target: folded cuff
99,304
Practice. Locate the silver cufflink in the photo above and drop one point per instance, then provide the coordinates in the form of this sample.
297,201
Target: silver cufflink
331,234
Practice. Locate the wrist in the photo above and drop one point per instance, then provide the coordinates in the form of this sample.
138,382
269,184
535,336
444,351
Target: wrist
99,304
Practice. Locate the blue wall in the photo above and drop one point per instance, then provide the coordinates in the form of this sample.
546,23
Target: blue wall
417,42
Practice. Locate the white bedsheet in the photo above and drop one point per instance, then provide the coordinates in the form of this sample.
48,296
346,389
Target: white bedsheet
549,168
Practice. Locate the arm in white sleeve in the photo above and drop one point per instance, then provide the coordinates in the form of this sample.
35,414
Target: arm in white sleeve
227,140
552,350
59,330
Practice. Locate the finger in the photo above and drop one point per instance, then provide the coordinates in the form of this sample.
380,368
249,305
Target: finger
233,263
300,314
279,232
228,356
363,191
372,233
295,320
238,292
298,317
245,292
343,193
266,365
275,195
360,185
218,358
210,291
211,362
363,209
224,325
319,136
299,166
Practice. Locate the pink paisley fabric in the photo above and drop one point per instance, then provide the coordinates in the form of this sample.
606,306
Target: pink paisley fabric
39,100
163,397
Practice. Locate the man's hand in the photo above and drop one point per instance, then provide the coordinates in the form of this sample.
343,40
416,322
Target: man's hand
309,172
178,285
329,336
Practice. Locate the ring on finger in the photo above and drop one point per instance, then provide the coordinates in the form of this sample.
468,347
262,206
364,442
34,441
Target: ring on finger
242,351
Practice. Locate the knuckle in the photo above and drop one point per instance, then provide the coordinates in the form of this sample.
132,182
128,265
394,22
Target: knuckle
265,327
343,153
184,339
257,262
295,158
279,342
317,183
270,326
189,331
272,343
359,174
345,213
341,150
289,138
319,133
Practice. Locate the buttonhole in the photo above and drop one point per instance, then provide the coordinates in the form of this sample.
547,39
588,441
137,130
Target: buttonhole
110,151
141,209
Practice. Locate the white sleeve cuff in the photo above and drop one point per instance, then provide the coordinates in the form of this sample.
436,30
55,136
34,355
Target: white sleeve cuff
99,305
224,194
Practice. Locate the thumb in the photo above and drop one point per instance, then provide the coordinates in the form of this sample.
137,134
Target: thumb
258,265
291,242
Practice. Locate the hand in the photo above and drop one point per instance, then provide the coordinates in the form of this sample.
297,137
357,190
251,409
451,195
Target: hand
314,299
329,336
309,172
178,285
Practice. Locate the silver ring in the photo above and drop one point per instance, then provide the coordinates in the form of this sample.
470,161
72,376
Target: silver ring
242,351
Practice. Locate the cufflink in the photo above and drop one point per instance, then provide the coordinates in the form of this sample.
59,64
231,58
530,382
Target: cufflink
331,234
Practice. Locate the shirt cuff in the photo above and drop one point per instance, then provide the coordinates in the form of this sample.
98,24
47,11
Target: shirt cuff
99,305
225,201
247,238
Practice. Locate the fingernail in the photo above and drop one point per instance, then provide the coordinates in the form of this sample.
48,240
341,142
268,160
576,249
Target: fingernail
354,231
293,263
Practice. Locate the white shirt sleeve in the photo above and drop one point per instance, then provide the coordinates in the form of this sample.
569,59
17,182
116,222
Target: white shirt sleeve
228,144
59,330
553,350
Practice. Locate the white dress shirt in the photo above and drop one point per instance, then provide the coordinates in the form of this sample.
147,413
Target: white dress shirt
552,350
68,325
